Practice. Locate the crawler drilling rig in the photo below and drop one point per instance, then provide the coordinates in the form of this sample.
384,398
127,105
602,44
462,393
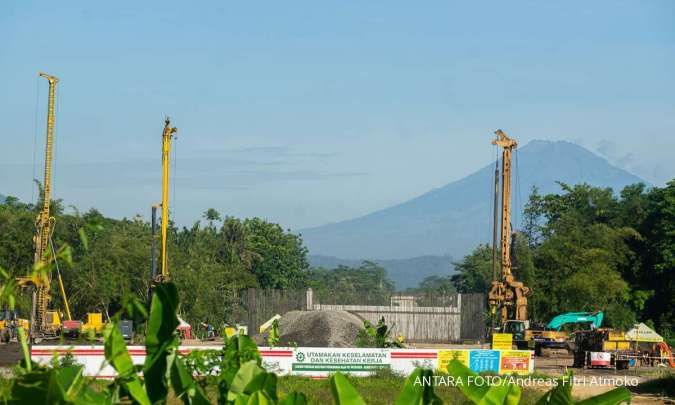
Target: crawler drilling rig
45,323
507,297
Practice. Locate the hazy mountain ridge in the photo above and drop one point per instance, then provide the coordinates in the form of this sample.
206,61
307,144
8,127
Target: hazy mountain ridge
453,219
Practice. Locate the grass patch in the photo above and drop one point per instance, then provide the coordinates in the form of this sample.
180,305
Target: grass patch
380,389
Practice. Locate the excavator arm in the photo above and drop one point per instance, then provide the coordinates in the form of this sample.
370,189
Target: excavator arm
593,318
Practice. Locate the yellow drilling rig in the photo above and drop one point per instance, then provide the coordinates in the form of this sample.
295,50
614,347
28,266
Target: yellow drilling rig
45,322
507,297
167,134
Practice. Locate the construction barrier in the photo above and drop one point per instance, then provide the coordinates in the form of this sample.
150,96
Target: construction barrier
321,362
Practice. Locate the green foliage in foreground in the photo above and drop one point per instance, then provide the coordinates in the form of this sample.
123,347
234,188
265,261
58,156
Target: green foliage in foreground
239,376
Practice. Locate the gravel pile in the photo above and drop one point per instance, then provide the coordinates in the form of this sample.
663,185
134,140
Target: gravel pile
319,329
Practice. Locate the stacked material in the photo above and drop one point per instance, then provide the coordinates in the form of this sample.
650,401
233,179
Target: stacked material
319,329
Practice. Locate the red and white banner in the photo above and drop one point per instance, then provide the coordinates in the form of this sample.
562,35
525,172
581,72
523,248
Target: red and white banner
306,361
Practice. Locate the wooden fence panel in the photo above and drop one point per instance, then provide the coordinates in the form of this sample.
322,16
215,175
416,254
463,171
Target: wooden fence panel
426,318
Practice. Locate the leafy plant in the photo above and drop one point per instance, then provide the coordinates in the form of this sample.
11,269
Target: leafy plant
273,336
66,360
127,380
508,394
204,363
418,394
343,392
376,336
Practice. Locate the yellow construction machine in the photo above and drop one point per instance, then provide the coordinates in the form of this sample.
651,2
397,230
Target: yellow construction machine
94,325
167,134
46,322
507,297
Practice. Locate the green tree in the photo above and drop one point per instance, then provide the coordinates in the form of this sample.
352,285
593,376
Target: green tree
588,255
658,257
282,257
436,285
211,215
111,259
474,272
367,283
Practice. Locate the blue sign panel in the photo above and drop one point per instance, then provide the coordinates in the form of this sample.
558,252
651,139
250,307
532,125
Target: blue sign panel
484,360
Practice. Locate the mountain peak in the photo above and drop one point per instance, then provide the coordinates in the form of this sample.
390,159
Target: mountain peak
454,218
543,145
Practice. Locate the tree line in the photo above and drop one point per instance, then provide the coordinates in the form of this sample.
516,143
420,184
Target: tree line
209,261
583,249
588,248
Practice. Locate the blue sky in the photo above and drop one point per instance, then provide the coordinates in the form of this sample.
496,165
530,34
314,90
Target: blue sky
313,112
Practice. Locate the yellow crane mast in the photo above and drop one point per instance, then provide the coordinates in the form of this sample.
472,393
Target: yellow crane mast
43,321
506,294
167,134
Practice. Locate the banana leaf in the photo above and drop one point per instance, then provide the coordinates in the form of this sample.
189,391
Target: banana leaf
343,392
418,394
250,379
183,383
507,394
117,355
160,339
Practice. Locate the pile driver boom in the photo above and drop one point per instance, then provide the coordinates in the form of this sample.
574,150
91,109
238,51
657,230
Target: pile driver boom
167,134
44,225
506,294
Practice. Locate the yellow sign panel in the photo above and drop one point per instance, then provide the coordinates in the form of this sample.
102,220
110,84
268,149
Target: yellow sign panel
502,341
514,362
610,346
615,335
445,356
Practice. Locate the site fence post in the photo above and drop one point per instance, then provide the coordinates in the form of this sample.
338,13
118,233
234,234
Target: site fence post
252,310
309,299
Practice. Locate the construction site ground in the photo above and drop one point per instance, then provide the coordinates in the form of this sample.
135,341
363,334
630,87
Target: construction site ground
596,379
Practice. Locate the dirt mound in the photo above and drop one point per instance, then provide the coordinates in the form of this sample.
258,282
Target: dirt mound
319,329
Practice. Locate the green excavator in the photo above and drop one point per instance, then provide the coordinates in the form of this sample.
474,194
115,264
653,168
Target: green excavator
555,334
592,319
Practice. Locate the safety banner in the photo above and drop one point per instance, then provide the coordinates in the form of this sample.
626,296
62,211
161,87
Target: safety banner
319,361
514,362
493,361
445,356
309,360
